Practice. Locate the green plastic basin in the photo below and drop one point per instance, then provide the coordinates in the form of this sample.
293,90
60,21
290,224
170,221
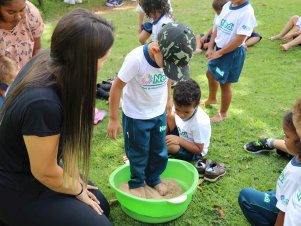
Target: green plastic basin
157,211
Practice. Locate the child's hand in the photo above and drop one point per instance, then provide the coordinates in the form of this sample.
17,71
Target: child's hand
215,55
209,53
172,139
114,128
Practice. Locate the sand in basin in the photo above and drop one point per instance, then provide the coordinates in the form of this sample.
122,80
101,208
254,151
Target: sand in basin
173,188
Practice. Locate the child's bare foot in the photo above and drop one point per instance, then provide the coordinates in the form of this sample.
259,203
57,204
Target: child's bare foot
139,192
197,51
218,117
284,47
208,102
161,188
276,37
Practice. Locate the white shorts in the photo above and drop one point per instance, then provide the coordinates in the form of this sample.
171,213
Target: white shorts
299,22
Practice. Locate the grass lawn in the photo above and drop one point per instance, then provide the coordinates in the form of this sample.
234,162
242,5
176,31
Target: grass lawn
268,86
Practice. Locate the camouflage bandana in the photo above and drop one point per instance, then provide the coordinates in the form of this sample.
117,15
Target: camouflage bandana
177,43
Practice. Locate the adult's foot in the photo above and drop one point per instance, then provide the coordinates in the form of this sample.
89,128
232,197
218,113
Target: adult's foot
139,192
208,102
218,117
161,188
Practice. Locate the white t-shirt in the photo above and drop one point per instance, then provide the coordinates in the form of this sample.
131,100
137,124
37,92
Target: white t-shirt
197,129
234,21
288,182
145,94
215,21
293,210
157,25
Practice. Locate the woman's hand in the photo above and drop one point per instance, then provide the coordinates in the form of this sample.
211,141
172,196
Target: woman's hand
90,199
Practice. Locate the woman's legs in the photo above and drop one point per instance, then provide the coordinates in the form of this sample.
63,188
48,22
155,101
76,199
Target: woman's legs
49,208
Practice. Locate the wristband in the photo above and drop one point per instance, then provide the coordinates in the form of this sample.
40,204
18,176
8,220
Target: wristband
81,191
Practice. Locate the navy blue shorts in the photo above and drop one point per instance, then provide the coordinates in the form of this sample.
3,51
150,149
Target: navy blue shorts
183,154
148,27
228,67
254,34
208,38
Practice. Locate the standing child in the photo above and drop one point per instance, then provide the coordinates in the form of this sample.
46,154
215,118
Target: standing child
235,23
8,72
202,40
269,208
291,33
159,12
145,93
189,126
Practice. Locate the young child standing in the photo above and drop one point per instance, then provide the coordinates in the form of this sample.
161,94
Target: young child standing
159,12
235,23
8,72
143,80
188,126
269,208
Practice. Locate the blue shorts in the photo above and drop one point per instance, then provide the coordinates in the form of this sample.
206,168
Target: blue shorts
183,154
208,38
148,27
228,67
254,34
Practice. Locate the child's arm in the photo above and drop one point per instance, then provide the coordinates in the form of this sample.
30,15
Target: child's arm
280,218
169,102
232,45
209,52
115,95
193,148
140,20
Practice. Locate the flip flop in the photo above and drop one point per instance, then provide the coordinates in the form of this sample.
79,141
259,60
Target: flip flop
99,115
218,118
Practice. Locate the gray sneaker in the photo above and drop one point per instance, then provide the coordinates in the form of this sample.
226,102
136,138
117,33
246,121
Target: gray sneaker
201,166
214,171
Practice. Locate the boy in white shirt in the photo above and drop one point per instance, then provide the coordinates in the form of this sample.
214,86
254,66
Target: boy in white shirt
235,23
143,80
270,208
188,125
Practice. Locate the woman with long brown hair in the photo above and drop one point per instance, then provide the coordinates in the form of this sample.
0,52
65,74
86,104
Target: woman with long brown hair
46,121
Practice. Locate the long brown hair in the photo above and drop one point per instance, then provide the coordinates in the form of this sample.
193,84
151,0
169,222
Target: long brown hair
78,41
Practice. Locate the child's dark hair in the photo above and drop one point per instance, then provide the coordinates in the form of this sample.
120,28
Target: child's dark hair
187,93
153,6
217,5
288,121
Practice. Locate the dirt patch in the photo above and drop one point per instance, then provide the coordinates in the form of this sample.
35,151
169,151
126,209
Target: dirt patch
174,190
105,9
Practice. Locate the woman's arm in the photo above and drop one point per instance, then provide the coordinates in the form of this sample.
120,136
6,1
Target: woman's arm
37,46
42,152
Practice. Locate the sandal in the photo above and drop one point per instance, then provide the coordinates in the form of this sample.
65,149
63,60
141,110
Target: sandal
218,118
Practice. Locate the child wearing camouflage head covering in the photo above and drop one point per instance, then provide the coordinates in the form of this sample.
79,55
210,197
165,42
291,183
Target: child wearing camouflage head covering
143,79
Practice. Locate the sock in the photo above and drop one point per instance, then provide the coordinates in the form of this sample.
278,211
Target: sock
270,142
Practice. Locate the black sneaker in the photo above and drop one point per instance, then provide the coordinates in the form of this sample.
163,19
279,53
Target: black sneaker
257,146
